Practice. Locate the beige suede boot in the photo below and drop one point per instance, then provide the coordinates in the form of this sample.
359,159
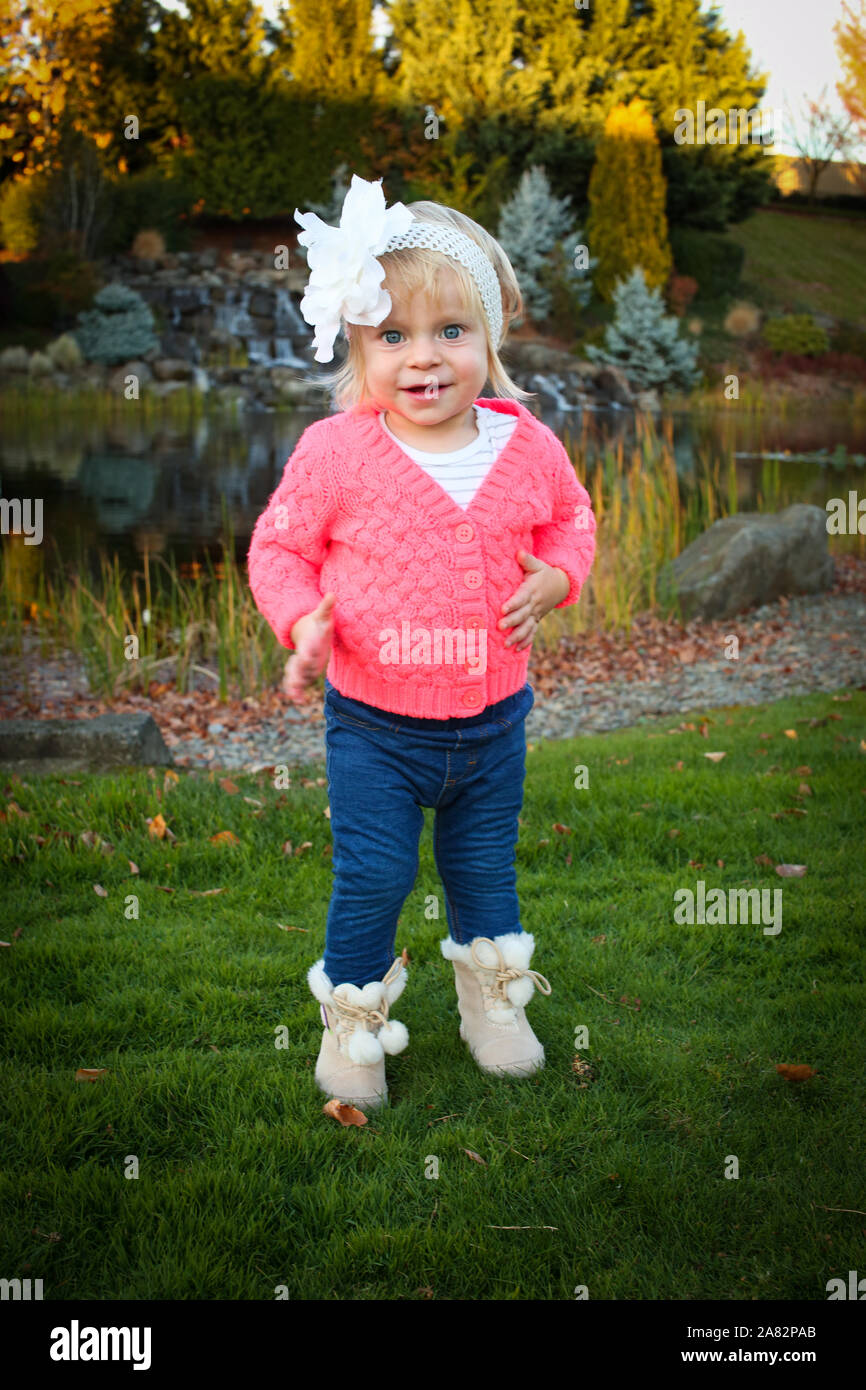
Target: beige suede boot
494,983
358,1033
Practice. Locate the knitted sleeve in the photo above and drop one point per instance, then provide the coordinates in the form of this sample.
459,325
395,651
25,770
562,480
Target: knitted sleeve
567,542
290,538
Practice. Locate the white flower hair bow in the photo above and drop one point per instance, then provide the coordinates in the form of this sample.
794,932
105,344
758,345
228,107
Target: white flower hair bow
345,278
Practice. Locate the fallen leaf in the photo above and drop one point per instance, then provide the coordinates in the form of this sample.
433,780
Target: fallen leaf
795,1071
715,757
133,868
791,870
90,1073
308,844
227,837
561,829
804,789
98,888
346,1114
764,859
283,927
206,892
156,827
790,733
803,771
229,786
476,1158
673,833
404,956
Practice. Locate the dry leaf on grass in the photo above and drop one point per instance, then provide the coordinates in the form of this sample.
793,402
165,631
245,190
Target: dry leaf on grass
90,1073
224,837
791,870
98,888
229,786
795,1072
714,757
345,1114
476,1158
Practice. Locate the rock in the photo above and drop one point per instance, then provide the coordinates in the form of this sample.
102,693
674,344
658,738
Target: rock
65,745
14,359
172,369
530,356
613,382
40,364
65,353
751,558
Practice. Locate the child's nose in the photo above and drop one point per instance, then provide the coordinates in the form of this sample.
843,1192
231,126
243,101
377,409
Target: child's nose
425,349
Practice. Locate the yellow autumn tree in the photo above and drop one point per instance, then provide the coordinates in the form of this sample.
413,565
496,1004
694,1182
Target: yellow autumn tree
627,225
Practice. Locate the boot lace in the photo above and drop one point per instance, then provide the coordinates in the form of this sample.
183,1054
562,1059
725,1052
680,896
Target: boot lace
495,992
352,1016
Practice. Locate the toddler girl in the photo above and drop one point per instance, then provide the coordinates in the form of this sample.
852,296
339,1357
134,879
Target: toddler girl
413,545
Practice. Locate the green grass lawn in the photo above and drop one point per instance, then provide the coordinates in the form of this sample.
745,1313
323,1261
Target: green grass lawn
243,1185
804,264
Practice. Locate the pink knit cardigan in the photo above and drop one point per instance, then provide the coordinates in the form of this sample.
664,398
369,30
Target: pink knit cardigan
419,581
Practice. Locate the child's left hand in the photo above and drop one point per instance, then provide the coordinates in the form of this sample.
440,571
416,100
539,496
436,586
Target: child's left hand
542,590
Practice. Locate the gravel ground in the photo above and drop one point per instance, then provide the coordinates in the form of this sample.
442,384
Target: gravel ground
823,647
790,647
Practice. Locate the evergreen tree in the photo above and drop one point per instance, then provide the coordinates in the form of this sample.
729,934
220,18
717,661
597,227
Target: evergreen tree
332,50
627,224
117,329
645,341
531,225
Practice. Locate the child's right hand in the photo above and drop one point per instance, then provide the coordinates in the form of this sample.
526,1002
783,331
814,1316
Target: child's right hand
311,635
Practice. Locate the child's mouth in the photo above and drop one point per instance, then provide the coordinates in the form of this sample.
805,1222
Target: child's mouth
420,390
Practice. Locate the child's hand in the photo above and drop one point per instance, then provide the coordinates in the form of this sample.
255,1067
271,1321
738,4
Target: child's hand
542,590
312,638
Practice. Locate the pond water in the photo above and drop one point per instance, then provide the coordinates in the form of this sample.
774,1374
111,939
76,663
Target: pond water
128,486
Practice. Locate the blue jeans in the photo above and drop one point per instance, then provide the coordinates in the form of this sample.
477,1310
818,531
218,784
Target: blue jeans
382,768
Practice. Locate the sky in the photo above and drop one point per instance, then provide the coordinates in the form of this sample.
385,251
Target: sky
792,40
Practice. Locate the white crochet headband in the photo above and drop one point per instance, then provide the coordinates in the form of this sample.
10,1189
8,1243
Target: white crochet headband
345,277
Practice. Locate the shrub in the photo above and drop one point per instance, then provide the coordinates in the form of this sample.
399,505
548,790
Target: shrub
119,327
644,341
798,334
681,291
22,206
742,320
627,225
715,261
149,245
48,291
151,200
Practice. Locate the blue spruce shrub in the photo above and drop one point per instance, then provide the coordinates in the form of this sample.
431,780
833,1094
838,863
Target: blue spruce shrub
118,328
645,341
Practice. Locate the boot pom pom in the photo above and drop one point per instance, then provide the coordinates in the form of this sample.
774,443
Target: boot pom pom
520,991
501,1013
364,1049
393,1036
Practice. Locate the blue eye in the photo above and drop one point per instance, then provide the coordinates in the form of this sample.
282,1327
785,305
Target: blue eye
454,325
391,330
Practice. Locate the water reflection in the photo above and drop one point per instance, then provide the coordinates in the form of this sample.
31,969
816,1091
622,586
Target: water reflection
131,484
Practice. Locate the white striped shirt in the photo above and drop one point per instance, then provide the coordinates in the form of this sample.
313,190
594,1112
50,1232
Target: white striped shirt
462,472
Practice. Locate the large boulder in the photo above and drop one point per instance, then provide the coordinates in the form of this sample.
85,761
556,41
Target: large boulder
31,746
753,558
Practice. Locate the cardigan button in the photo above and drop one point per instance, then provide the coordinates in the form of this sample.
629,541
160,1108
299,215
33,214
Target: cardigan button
472,697
464,532
473,579
474,622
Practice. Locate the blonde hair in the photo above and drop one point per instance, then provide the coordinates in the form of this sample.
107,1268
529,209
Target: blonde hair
416,270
